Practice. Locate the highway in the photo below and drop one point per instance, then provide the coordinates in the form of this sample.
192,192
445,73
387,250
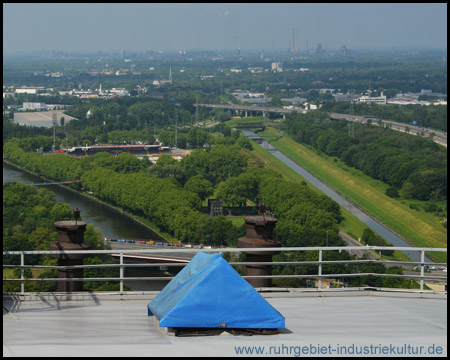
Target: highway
437,136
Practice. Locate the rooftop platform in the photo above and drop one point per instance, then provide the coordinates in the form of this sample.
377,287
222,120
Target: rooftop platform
372,323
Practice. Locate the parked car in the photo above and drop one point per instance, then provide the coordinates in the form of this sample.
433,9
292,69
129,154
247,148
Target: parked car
159,244
188,245
131,241
178,245
142,242
151,242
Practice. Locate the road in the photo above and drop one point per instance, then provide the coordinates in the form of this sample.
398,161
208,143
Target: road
437,136
351,242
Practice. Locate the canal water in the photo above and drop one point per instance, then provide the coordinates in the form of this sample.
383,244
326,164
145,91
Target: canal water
112,223
377,227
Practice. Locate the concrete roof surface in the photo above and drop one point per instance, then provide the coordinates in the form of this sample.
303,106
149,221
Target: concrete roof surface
362,323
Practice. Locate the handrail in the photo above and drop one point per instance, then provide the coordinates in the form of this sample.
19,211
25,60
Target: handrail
155,250
318,276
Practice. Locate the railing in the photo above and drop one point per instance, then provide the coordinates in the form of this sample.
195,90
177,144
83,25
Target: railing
320,262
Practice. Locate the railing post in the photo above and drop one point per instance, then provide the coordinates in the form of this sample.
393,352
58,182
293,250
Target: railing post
320,270
22,273
422,268
121,273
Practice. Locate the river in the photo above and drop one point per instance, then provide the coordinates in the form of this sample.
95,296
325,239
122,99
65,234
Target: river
377,227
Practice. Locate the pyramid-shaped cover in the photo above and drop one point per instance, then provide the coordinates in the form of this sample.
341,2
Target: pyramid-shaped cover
209,293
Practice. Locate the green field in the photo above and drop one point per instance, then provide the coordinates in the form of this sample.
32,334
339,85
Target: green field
419,228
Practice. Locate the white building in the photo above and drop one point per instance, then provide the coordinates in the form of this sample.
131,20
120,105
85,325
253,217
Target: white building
276,67
373,99
34,105
118,92
26,91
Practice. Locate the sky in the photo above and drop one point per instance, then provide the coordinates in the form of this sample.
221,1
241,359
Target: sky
85,27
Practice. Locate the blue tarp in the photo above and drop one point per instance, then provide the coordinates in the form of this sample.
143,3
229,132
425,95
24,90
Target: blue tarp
209,293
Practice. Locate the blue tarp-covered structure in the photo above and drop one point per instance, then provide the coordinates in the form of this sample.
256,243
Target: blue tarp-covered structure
209,293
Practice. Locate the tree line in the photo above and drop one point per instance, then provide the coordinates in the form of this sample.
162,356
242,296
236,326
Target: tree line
28,218
415,167
173,202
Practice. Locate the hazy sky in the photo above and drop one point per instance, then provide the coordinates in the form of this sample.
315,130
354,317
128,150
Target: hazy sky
93,27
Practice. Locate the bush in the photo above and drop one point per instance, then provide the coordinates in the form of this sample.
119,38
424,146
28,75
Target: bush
430,208
392,192
414,206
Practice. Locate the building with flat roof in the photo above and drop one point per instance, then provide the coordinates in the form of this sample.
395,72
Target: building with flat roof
35,105
373,99
368,323
41,118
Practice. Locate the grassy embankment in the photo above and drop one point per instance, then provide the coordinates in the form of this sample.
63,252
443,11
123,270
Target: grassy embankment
351,225
421,229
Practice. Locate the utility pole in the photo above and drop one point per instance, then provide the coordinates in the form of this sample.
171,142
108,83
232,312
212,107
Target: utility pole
196,110
54,131
67,142
176,123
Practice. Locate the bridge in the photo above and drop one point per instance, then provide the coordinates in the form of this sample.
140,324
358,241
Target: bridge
251,125
56,183
246,109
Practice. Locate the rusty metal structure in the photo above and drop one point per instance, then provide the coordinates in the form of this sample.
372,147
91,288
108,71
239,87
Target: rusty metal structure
259,235
70,237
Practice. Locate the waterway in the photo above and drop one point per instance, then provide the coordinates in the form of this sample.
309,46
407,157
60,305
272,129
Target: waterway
377,227
111,222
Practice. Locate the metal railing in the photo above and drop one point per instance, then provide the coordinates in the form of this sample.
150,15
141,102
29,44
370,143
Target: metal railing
320,262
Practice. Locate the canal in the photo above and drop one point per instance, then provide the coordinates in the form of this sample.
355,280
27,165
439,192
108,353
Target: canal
112,223
377,227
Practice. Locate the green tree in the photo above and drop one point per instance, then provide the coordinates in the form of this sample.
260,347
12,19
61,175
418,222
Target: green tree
202,187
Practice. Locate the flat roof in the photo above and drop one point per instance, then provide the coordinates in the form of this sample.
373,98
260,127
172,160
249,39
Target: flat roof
41,118
375,323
